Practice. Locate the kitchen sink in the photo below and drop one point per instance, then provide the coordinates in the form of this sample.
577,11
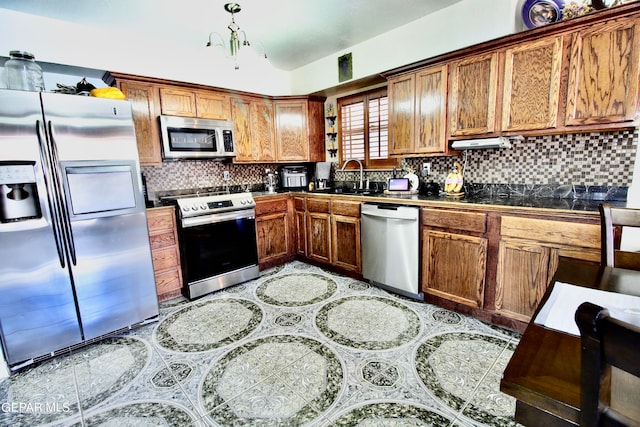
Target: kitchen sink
354,191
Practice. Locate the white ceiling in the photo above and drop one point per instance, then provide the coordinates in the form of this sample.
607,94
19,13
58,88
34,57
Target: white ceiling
293,32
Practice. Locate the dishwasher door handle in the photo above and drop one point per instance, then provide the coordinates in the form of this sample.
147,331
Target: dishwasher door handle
391,217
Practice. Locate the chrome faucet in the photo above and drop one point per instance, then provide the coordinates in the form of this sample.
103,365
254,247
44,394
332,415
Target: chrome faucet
361,170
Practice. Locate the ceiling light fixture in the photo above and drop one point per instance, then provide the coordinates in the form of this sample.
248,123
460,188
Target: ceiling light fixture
237,38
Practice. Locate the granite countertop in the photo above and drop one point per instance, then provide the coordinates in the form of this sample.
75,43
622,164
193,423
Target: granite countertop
561,197
577,198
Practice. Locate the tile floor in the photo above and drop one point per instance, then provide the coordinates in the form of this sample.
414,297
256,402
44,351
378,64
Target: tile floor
297,346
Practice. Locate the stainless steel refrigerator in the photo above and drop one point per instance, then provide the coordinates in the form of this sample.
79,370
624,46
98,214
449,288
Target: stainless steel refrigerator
75,260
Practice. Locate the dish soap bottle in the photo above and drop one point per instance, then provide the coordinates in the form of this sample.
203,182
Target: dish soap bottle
22,72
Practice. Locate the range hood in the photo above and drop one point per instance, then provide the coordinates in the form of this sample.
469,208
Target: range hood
476,144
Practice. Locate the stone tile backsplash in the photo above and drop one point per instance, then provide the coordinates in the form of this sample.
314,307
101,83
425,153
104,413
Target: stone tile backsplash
570,163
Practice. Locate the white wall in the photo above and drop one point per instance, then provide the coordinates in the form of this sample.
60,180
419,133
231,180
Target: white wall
463,24
460,25
76,45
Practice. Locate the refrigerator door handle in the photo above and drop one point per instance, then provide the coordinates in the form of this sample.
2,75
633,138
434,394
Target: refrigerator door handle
48,174
66,222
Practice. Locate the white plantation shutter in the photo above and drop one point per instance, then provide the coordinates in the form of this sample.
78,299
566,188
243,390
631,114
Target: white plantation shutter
378,128
352,131
364,129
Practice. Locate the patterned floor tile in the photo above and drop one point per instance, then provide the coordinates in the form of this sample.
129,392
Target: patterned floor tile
298,346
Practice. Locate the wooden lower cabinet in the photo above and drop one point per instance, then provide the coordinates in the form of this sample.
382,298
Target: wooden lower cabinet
454,266
346,249
319,229
300,219
328,231
274,231
454,255
165,251
528,256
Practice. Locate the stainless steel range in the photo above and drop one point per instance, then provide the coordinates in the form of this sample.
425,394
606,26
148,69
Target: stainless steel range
217,233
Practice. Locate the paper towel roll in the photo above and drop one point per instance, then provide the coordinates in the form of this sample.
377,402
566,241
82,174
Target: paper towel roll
323,170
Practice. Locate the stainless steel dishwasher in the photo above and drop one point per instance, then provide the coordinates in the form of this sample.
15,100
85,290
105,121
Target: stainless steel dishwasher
390,247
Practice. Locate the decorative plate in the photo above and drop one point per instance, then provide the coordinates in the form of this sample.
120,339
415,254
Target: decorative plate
536,13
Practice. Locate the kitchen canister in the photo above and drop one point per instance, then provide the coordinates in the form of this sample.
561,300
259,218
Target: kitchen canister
22,72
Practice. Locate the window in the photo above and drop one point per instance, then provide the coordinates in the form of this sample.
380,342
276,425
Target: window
363,125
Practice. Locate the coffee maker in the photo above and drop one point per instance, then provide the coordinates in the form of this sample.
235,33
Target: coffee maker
18,192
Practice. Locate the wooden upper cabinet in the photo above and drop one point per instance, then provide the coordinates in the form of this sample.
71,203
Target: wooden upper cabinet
292,139
190,103
241,113
603,73
177,102
144,98
254,130
431,110
401,92
532,85
263,130
472,99
213,105
417,112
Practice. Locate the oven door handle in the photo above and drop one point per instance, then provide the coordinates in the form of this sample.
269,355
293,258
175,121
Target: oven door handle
218,217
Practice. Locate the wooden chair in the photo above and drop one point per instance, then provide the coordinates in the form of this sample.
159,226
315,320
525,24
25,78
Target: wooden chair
606,342
611,219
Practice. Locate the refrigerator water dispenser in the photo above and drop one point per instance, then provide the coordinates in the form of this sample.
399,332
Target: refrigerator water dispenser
18,192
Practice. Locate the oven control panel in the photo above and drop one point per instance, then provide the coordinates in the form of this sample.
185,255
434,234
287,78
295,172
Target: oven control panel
195,206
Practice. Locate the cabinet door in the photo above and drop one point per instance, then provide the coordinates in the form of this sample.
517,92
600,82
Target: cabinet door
241,113
472,102
212,105
273,236
401,92
292,141
603,74
264,149
301,232
532,85
522,278
144,98
177,102
454,267
431,110
319,237
346,252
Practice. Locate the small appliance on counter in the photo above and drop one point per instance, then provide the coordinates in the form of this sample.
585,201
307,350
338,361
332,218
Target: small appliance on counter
323,174
294,177
270,181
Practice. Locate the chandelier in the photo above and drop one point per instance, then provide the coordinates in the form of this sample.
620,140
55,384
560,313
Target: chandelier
237,38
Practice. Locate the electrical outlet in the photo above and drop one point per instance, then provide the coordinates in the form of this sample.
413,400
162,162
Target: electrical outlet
226,175
426,169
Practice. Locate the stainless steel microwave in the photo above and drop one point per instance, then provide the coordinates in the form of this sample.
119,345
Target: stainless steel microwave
191,138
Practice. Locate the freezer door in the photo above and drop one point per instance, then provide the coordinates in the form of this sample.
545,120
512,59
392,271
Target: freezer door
111,262
37,310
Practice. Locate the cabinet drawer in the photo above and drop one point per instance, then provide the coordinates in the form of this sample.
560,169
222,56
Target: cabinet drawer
164,259
467,221
318,205
168,281
160,220
345,208
300,203
162,240
271,206
563,233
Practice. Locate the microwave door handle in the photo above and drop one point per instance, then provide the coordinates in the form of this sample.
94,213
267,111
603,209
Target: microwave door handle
45,157
66,221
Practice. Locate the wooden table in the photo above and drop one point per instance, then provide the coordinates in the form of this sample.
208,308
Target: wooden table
544,371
